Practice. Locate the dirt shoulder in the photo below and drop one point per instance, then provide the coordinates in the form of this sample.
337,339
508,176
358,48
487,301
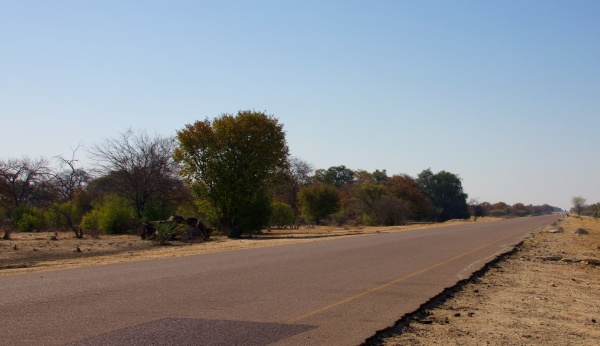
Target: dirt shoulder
42,251
546,292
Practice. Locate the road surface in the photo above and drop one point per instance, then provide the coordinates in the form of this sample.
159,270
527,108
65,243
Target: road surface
322,293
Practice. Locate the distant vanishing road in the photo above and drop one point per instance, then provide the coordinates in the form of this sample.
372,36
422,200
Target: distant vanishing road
334,292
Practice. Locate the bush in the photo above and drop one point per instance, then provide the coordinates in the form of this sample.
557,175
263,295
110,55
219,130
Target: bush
30,222
56,216
318,201
113,216
165,231
27,219
282,215
90,220
367,220
343,217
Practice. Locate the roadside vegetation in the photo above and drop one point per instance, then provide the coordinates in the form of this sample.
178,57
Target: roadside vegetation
234,174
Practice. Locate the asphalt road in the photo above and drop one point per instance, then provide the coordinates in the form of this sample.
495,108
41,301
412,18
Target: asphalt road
334,292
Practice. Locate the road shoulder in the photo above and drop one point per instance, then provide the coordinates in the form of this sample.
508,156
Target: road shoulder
544,292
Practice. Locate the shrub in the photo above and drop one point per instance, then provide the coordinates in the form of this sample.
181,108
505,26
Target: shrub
165,231
367,220
30,222
27,219
343,217
90,220
282,215
113,216
63,215
318,201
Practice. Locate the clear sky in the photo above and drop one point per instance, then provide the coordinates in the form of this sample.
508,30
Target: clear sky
506,94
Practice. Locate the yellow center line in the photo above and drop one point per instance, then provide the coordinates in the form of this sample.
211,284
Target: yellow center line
374,289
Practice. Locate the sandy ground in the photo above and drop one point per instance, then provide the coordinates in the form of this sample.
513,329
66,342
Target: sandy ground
546,292
40,251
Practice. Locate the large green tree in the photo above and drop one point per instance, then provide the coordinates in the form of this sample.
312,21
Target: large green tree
232,162
444,190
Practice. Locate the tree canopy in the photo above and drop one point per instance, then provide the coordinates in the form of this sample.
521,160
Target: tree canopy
231,162
336,175
444,190
578,204
318,201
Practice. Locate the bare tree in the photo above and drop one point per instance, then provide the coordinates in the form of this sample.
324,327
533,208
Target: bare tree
23,181
138,167
475,208
298,176
69,178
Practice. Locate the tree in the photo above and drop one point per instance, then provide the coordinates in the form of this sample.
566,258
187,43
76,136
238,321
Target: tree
519,209
365,197
282,215
391,210
231,163
23,181
405,187
298,175
336,175
318,201
475,208
139,168
380,176
578,204
500,209
444,190
70,178
66,214
592,209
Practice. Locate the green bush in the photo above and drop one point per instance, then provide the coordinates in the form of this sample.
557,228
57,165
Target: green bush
318,201
90,220
30,222
113,216
56,216
53,219
27,219
282,215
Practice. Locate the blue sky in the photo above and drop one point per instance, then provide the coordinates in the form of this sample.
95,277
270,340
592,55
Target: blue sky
506,94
